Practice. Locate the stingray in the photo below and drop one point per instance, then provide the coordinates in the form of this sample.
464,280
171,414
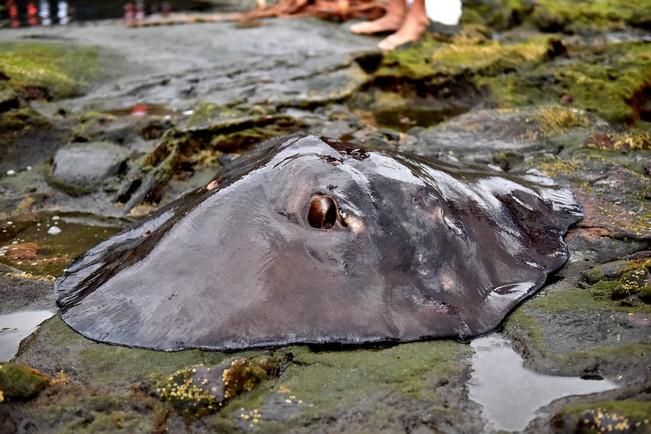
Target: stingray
312,240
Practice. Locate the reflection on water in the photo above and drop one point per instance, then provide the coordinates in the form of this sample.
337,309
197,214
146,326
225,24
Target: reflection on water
510,394
21,13
45,244
16,326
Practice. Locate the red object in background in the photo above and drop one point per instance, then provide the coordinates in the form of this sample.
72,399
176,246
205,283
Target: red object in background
139,109
129,13
32,14
12,10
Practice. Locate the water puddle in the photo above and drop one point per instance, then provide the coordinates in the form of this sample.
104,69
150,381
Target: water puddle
45,244
403,120
510,394
16,326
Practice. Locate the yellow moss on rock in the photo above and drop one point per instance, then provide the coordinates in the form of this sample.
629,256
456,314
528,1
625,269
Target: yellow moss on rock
430,59
488,54
628,415
589,16
199,390
555,120
603,81
20,382
62,70
634,140
555,166
181,390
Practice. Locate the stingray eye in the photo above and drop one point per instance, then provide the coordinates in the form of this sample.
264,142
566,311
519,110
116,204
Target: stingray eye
323,212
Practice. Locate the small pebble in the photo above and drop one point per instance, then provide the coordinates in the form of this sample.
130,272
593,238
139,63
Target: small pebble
188,113
11,172
54,230
56,217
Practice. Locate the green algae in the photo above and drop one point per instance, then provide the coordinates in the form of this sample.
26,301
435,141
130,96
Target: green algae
198,145
529,337
19,382
436,62
317,384
489,57
567,16
108,365
20,119
596,298
408,367
604,295
117,421
520,323
533,70
62,70
211,115
600,354
82,409
571,16
602,81
216,129
498,15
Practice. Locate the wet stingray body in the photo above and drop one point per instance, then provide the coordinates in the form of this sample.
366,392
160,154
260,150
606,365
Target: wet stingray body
419,249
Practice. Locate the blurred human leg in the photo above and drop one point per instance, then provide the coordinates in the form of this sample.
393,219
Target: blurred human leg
413,27
390,22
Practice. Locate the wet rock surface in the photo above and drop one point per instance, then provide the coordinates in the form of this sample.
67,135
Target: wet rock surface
573,104
80,168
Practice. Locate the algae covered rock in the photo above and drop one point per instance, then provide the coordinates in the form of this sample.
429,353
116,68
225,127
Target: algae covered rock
19,382
617,416
199,390
507,133
49,70
628,283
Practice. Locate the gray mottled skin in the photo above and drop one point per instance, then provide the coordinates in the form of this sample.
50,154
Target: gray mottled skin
420,249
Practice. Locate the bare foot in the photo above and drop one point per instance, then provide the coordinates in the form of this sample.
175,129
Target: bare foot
390,22
411,30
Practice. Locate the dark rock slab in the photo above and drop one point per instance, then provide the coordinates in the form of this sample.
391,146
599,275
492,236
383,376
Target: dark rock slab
518,130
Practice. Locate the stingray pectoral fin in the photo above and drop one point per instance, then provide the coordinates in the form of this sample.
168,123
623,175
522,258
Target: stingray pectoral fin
87,272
